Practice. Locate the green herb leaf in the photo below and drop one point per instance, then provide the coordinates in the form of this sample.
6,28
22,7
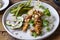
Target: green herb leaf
41,7
34,34
47,12
31,22
48,29
45,23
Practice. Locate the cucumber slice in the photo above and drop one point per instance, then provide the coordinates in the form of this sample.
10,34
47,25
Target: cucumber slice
17,26
12,24
20,19
8,23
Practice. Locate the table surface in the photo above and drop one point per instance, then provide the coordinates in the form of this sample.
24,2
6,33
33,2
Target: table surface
5,36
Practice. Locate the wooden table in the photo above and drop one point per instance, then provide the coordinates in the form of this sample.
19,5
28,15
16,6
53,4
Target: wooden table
5,36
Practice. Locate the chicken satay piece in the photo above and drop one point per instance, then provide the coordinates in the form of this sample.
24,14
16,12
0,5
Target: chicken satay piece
27,18
30,12
25,26
37,22
38,25
37,29
38,13
26,23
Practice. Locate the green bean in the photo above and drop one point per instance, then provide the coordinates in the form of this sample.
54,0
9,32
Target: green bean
19,8
28,8
13,10
28,3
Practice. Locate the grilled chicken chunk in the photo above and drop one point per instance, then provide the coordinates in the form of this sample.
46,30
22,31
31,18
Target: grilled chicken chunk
38,26
26,21
37,21
38,13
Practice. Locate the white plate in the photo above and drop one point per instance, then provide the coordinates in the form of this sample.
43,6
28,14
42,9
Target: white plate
27,36
5,4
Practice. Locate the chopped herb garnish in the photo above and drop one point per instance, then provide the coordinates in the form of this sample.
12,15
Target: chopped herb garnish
41,7
31,22
48,29
47,12
34,34
45,23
